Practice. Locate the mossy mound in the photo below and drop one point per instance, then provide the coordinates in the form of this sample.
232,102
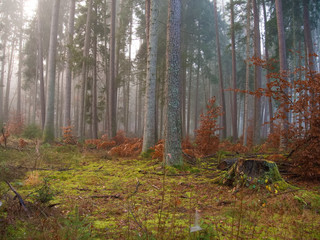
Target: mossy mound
251,171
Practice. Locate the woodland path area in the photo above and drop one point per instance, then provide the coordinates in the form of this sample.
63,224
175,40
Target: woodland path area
86,194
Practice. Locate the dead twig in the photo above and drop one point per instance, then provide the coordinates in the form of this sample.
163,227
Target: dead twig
107,196
20,199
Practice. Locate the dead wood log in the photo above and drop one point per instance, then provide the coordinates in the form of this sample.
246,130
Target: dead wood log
23,205
227,163
107,196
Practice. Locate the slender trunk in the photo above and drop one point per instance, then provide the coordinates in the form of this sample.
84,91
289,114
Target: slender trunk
149,136
196,103
2,79
189,101
234,78
267,59
283,69
246,113
94,90
20,66
222,97
40,67
67,118
7,96
48,134
112,86
84,72
257,75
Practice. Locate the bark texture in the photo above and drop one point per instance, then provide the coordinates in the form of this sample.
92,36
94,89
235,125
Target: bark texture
234,78
222,97
48,134
173,150
67,118
149,136
112,80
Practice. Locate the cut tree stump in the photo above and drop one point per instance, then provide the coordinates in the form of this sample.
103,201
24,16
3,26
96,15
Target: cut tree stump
252,171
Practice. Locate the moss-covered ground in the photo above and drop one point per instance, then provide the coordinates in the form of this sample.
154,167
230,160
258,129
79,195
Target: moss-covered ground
89,195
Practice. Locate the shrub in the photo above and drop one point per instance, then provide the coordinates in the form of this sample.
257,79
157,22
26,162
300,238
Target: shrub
32,131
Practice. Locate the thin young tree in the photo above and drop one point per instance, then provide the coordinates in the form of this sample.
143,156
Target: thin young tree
283,67
173,150
40,66
20,64
67,118
112,101
48,133
246,100
234,76
257,74
149,135
84,72
222,97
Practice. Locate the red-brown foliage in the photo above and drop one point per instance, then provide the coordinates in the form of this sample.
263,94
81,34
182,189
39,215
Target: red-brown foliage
158,150
129,148
22,143
231,147
67,136
207,140
303,102
15,125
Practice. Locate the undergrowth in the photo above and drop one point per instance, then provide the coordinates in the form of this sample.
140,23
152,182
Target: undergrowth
80,195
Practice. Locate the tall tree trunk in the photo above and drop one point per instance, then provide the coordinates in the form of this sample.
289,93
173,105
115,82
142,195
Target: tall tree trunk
149,135
48,134
267,59
234,78
4,46
40,67
246,96
112,84
67,118
84,72
9,75
283,68
20,65
189,101
94,87
196,102
173,150
222,97
257,75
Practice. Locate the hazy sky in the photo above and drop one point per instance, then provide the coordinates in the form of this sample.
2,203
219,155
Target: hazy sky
30,7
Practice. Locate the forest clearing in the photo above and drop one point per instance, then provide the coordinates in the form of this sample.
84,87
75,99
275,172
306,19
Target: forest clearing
81,192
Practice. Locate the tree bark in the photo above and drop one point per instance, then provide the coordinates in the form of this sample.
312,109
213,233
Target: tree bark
112,84
149,136
234,78
48,134
9,75
246,113
257,75
19,115
222,95
267,59
84,72
67,118
283,69
4,46
40,67
94,86
173,151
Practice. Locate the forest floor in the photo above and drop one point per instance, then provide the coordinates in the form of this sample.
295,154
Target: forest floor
72,193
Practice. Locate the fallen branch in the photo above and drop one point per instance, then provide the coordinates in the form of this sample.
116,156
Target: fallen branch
20,199
107,196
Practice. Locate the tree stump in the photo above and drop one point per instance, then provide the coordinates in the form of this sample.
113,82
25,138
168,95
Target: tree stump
253,171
